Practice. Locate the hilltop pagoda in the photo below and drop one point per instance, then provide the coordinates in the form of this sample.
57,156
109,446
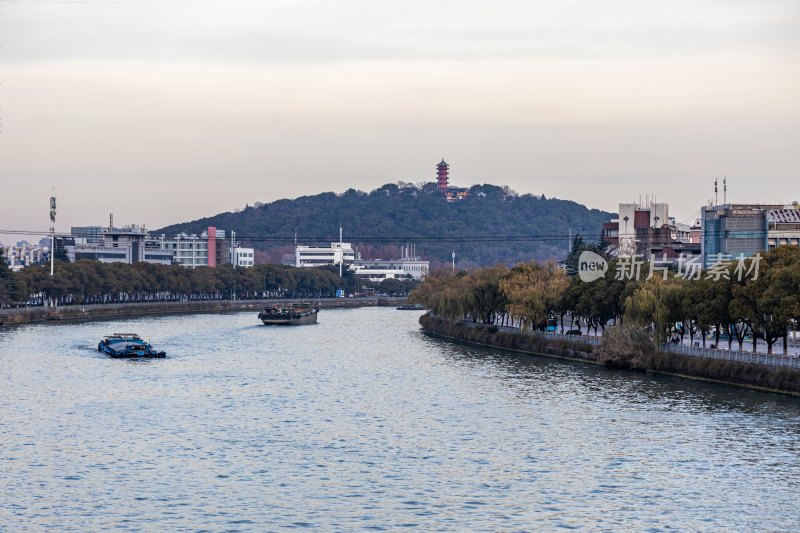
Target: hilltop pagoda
442,170
451,194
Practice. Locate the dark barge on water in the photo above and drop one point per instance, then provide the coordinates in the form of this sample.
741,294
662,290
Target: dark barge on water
289,315
411,307
130,345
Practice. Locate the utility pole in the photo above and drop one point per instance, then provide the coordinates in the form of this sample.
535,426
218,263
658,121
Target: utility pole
52,233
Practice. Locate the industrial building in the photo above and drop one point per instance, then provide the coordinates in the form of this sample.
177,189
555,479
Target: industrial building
128,244
343,253
133,243
392,268
316,256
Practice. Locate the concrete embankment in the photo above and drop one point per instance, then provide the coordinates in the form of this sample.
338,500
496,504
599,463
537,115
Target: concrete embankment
751,375
84,312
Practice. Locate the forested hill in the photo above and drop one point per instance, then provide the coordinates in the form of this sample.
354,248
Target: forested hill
481,229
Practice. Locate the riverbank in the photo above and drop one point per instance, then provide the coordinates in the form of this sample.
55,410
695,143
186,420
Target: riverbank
29,315
744,374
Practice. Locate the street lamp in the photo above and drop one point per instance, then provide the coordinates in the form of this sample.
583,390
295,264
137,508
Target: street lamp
52,234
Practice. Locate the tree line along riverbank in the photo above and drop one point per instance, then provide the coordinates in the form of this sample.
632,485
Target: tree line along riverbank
92,282
10,317
735,309
633,319
751,375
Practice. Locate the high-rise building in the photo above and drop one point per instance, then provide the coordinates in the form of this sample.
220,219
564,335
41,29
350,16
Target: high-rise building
734,230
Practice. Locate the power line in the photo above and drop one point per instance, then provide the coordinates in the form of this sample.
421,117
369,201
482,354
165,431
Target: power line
290,239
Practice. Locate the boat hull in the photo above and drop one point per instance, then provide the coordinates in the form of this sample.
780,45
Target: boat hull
152,355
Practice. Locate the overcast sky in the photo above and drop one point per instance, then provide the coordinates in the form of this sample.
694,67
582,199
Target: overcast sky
170,110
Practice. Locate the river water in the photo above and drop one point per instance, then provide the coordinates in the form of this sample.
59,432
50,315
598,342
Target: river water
363,422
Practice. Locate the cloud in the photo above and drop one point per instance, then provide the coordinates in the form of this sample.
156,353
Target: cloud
205,105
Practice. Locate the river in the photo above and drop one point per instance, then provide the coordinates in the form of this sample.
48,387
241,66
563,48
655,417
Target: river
363,422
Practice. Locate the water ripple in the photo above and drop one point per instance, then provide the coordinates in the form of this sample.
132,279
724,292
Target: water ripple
362,422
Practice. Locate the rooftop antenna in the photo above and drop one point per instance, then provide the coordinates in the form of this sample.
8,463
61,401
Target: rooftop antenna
725,190
716,192
341,250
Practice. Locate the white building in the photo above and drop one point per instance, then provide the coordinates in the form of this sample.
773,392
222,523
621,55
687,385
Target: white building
317,256
374,269
243,257
211,248
190,251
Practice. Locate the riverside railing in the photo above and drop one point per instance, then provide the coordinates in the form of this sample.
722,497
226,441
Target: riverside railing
774,360
578,339
730,355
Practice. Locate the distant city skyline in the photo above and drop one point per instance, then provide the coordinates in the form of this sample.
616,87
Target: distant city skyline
163,112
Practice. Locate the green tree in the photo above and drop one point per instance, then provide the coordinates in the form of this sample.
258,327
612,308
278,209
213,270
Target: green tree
533,291
647,307
9,287
485,298
770,303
